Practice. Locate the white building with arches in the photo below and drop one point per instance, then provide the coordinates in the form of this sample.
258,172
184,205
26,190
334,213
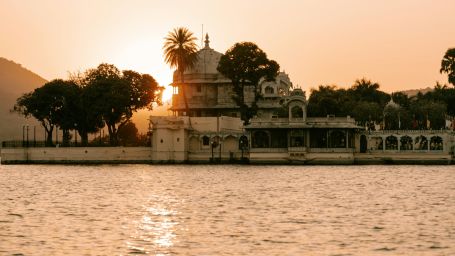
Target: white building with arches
281,132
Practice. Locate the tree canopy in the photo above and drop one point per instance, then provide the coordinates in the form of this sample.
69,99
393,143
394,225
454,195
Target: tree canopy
89,101
448,65
367,104
180,52
52,105
245,64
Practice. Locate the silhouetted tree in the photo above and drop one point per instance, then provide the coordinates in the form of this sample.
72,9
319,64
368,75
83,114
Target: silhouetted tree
365,112
448,65
50,104
245,64
401,99
424,110
115,95
127,134
327,100
365,90
180,52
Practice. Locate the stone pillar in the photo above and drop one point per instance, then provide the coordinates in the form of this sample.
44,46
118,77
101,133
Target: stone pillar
383,143
347,138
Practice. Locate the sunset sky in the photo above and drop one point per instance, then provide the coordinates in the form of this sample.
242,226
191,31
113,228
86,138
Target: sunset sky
397,43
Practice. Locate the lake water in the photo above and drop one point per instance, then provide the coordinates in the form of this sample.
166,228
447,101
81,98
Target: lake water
227,210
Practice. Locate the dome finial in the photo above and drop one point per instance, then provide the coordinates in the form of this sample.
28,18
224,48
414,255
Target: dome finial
207,41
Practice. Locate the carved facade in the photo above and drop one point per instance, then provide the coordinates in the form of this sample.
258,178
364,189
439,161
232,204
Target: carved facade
209,93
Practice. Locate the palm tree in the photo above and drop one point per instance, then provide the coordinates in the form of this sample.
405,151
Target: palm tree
448,65
180,52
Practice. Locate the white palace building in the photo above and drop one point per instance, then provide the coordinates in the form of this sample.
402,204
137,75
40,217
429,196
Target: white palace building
281,132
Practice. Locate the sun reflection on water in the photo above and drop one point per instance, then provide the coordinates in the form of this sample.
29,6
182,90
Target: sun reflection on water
154,231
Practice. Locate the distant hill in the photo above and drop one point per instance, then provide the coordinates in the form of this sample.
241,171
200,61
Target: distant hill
413,92
16,80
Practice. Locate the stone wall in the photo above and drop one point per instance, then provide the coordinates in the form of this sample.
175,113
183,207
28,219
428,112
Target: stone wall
76,155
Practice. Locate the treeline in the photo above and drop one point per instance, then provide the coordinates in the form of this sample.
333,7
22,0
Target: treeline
368,105
89,101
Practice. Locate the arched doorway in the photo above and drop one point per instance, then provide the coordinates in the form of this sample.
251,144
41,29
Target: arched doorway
436,143
391,143
296,112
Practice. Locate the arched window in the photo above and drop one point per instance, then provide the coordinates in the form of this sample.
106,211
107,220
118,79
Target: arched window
436,143
391,143
260,139
269,90
296,112
405,143
421,143
205,141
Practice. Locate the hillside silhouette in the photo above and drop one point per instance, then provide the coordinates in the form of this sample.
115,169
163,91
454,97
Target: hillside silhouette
16,80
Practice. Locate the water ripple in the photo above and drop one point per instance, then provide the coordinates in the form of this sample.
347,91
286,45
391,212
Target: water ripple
227,210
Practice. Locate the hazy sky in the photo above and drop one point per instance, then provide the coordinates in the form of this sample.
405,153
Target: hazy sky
397,43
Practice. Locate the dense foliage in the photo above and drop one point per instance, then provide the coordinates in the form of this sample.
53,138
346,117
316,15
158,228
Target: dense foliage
246,64
180,52
103,96
448,65
367,104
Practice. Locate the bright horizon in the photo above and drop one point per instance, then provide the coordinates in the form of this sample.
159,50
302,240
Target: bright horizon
398,44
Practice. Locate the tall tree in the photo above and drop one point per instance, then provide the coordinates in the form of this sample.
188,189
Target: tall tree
328,100
180,52
50,104
86,119
116,95
365,90
448,65
245,64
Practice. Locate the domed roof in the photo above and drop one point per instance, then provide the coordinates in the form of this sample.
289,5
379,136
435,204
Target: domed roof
207,60
297,92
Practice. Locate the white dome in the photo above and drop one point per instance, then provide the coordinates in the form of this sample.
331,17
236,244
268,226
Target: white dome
207,60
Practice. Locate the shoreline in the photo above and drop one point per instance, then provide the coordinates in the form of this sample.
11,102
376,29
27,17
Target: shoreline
144,155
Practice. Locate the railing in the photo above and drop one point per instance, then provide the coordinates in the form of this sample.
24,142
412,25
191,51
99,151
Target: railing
268,150
405,151
331,119
41,144
331,150
268,120
23,144
404,132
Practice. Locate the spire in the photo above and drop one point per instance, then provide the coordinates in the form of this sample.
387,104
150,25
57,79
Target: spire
207,41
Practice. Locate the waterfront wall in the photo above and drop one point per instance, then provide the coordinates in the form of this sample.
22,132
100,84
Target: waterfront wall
145,155
76,155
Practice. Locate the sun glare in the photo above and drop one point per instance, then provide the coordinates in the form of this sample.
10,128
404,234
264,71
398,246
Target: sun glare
138,56
167,94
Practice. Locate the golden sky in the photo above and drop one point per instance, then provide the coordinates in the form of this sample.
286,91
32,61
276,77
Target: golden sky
397,43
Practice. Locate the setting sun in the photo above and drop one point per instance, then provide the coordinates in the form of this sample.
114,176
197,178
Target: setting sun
297,127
